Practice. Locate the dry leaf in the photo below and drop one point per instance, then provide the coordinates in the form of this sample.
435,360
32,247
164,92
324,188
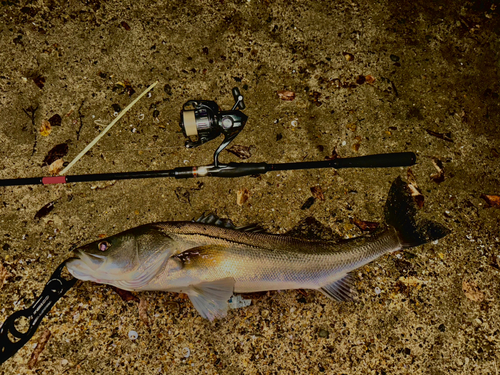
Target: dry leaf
286,95
491,200
183,194
39,348
471,291
56,167
348,56
414,190
125,295
4,275
411,281
439,176
57,152
242,196
369,79
443,136
308,203
46,128
125,25
411,178
39,81
365,225
143,311
243,152
333,156
351,126
55,120
317,193
45,210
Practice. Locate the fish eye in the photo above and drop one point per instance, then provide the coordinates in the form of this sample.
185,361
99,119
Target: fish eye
103,245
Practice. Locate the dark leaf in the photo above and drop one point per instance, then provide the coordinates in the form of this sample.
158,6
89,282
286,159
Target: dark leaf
317,193
125,25
308,203
39,81
360,80
419,200
443,136
365,225
243,152
55,120
125,295
333,156
45,210
57,152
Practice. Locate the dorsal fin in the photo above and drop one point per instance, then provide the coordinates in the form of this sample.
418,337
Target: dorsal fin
215,220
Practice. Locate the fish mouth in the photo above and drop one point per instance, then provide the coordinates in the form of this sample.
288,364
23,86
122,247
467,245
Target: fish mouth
85,262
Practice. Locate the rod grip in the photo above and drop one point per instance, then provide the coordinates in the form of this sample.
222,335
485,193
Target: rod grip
397,159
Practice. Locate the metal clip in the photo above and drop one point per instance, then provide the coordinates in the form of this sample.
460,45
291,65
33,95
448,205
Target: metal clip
11,339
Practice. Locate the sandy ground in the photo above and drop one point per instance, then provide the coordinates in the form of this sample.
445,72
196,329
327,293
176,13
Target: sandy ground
369,77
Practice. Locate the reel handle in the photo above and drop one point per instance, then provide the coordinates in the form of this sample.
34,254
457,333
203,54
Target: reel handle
238,99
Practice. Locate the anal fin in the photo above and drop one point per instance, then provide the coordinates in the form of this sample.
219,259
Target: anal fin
341,290
210,299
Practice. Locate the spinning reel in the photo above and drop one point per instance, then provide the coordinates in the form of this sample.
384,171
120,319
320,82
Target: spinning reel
202,121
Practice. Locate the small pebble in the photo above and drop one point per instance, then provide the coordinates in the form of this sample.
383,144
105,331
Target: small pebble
64,362
323,333
133,335
377,290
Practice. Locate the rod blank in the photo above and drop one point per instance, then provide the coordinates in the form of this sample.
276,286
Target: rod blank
231,170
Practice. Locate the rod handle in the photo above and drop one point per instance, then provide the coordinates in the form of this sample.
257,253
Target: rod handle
397,159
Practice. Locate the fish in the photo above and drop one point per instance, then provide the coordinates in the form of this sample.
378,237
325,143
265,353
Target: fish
211,259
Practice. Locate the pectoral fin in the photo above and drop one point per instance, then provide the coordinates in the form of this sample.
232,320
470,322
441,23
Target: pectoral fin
341,290
210,298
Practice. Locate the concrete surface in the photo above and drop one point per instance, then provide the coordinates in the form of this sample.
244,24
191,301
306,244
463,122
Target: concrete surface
432,66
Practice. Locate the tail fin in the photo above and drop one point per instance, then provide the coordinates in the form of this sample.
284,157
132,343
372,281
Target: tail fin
400,212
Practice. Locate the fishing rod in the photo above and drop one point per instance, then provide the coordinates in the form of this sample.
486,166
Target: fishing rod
202,121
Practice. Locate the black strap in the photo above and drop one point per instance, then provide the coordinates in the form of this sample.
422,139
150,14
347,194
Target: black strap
56,287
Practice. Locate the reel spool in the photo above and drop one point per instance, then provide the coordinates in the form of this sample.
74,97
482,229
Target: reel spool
202,121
